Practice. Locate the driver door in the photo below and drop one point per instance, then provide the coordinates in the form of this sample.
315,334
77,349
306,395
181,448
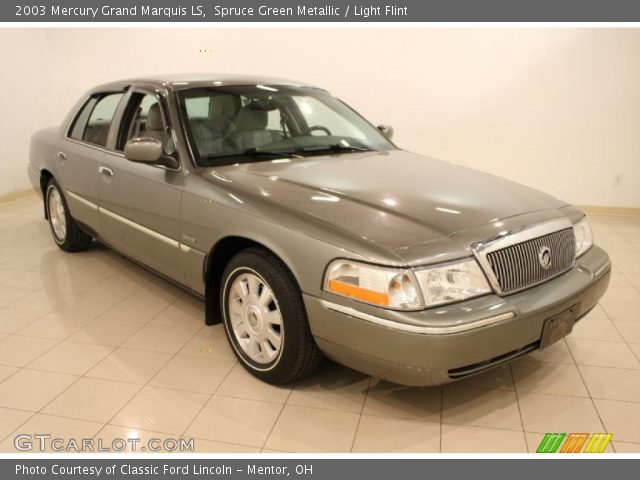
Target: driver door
140,203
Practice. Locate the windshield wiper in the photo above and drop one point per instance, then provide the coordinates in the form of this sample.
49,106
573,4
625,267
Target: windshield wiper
256,152
336,147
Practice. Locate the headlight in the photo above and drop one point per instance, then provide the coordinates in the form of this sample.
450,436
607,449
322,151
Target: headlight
584,237
452,282
394,288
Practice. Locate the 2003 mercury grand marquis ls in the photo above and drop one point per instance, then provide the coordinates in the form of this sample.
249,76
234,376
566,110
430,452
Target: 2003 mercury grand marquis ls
309,233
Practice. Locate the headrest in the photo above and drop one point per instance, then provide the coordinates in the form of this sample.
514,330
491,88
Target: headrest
154,118
224,105
250,119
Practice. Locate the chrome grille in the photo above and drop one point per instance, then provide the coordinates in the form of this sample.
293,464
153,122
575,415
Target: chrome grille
518,266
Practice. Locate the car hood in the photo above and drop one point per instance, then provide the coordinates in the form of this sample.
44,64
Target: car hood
395,199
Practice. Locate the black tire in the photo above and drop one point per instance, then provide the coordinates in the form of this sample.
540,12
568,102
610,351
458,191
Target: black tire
74,239
298,355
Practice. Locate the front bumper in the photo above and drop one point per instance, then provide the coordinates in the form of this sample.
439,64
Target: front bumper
443,344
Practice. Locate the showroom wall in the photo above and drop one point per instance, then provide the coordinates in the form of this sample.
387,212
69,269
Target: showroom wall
557,109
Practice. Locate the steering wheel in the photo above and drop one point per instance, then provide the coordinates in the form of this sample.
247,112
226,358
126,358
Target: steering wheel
319,127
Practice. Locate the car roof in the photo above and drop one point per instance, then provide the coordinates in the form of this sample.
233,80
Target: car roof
183,81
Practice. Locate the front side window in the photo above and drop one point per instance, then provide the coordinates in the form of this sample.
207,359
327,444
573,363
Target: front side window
99,123
143,118
252,122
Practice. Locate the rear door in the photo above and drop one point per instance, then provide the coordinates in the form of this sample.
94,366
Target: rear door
81,153
140,203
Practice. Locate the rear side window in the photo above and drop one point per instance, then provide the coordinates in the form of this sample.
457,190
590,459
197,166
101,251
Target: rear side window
77,128
99,122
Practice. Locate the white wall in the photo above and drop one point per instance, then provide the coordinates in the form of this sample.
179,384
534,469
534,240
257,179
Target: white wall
557,109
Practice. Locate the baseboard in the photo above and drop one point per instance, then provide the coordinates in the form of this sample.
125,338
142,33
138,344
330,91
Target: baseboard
12,197
615,211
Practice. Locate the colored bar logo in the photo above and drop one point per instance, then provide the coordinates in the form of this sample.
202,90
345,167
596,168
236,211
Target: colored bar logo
574,443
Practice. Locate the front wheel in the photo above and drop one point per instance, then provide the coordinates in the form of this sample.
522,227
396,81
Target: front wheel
265,319
65,231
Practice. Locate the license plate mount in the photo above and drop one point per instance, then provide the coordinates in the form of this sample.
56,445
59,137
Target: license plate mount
557,327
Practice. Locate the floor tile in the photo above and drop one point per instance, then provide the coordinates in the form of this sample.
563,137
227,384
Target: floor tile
621,294
480,407
135,309
94,302
209,342
556,413
596,329
6,371
60,428
620,418
603,354
332,387
18,350
624,447
92,399
143,441
396,435
160,338
465,439
70,357
541,377
630,331
241,384
303,429
126,365
193,373
108,332
42,301
232,420
161,410
391,400
612,383
11,295
186,311
31,389
556,353
11,419
56,325
208,446
13,319
623,311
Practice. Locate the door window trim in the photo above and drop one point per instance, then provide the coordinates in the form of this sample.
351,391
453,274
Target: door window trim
124,104
114,121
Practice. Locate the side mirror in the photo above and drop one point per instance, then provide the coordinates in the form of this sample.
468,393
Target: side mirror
386,130
148,150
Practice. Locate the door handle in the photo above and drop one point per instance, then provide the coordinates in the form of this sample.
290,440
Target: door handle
61,156
107,172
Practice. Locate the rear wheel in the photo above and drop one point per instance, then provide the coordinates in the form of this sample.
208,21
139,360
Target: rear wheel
265,319
64,229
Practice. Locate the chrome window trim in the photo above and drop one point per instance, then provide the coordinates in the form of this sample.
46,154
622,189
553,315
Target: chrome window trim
423,330
512,237
117,153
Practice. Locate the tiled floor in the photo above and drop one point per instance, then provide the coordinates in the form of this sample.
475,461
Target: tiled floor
93,346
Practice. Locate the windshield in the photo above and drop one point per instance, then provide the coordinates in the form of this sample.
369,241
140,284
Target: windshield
249,123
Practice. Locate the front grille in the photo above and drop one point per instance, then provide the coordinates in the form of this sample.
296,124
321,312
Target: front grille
518,266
